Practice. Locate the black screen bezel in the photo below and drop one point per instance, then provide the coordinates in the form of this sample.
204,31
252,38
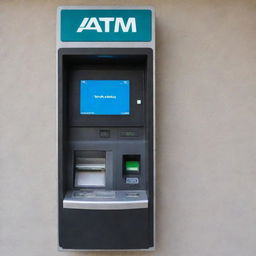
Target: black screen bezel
135,76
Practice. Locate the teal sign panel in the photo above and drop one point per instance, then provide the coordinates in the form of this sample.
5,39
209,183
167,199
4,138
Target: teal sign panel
105,25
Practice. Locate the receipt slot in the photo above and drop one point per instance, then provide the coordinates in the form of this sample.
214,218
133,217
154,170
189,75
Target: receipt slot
105,70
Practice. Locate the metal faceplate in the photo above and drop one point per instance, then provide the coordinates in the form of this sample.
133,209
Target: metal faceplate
105,199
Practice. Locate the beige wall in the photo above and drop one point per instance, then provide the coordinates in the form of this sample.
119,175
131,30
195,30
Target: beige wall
206,146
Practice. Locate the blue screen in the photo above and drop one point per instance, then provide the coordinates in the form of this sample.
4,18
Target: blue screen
105,97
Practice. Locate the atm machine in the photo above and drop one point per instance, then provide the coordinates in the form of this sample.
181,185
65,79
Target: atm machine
106,150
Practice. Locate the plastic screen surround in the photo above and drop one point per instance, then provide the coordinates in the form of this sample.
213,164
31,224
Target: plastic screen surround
104,97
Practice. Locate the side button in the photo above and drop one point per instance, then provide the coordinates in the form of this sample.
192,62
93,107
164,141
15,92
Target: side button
132,180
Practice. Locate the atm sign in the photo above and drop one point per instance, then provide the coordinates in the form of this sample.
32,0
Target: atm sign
106,25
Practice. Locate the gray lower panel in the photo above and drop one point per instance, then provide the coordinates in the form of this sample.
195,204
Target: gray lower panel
105,199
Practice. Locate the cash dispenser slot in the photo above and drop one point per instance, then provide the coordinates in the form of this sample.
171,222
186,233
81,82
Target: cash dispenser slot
90,169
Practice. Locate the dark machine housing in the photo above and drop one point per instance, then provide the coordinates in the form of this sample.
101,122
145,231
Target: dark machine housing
105,162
